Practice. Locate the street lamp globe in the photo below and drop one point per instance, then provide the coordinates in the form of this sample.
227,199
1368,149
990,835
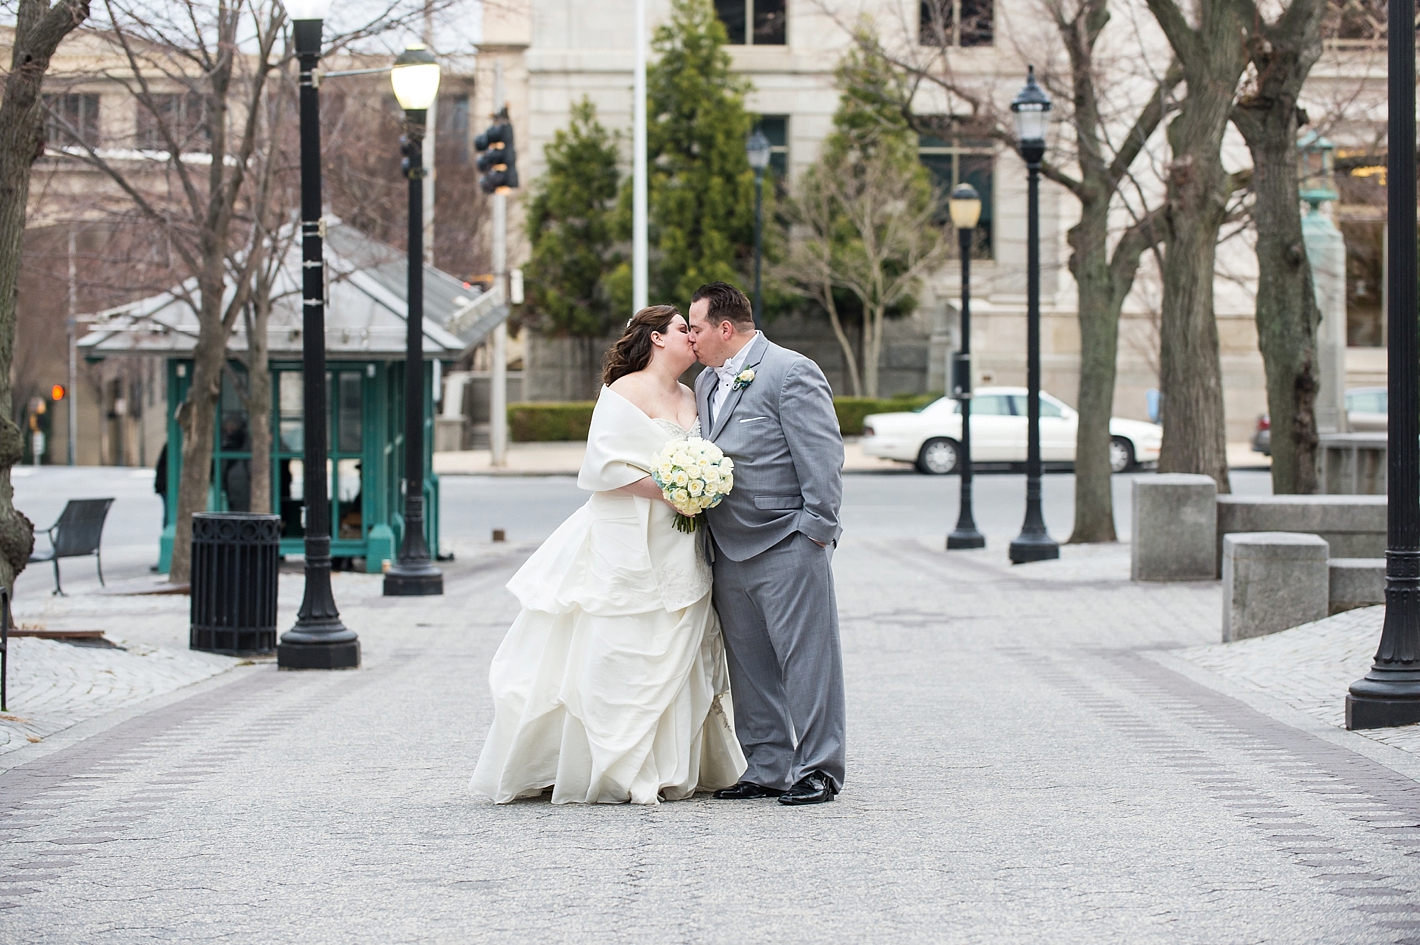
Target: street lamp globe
757,149
307,9
964,205
415,78
1031,108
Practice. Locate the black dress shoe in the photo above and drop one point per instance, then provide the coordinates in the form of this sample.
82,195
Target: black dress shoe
744,791
813,788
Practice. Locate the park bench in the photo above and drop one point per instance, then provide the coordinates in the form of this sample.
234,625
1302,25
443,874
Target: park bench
76,534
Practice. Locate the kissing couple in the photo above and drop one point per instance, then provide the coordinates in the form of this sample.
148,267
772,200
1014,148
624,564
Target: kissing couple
614,683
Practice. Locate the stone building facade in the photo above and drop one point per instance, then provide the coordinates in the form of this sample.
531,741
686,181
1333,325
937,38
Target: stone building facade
554,52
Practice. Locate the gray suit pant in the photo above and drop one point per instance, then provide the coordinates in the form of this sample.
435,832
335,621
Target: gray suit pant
780,621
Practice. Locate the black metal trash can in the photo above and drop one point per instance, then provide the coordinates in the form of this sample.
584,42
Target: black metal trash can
235,557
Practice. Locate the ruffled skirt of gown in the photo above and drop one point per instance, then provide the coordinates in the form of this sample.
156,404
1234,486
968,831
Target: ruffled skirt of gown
607,708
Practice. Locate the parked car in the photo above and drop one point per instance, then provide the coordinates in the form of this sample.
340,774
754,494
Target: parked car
1366,411
930,436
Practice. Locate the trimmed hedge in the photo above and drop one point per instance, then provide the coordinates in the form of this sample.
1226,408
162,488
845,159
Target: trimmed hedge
545,422
852,410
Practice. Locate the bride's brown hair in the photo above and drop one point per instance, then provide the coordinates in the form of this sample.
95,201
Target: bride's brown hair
632,351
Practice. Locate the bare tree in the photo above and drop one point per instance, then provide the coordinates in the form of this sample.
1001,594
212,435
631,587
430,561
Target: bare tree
200,72
1107,141
1282,53
39,29
865,215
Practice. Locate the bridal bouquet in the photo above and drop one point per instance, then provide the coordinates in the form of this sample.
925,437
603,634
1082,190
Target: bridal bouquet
694,475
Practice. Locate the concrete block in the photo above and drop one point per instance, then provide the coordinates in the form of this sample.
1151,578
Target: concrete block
1173,529
1352,463
1353,525
1272,581
1356,582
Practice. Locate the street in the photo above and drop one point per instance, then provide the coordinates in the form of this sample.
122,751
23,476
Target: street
1032,757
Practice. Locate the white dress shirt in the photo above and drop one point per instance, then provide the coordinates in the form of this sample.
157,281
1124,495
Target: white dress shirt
726,373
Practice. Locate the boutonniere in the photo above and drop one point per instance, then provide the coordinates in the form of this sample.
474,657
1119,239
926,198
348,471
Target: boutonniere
743,379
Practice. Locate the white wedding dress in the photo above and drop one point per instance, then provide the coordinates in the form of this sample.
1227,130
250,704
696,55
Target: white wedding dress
611,684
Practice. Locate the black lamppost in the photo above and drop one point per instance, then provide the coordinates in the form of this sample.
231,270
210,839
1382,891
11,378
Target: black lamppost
757,148
965,208
1031,107
416,81
318,640
1390,693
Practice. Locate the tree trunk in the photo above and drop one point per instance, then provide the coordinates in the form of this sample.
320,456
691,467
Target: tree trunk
850,359
258,402
38,31
195,417
1099,345
873,317
1287,314
1198,188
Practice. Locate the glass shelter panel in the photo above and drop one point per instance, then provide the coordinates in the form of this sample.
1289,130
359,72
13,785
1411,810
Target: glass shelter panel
232,462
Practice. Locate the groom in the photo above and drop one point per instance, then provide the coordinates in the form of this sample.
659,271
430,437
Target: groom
771,411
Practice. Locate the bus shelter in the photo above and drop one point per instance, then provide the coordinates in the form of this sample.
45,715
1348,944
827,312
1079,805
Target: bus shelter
365,341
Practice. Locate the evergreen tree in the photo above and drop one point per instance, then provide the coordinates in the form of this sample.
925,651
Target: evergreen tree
865,228
700,185
572,227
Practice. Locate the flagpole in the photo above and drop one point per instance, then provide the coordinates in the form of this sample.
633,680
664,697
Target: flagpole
639,282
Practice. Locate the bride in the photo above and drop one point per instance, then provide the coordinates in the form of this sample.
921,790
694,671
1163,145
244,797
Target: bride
611,684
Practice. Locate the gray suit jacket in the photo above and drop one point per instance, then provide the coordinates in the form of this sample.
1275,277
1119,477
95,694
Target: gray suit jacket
783,435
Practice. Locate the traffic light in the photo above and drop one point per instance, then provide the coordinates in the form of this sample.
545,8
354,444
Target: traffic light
499,160
56,393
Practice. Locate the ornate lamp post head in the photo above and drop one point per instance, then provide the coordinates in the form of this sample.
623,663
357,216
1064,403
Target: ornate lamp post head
757,149
964,205
415,78
306,17
1030,108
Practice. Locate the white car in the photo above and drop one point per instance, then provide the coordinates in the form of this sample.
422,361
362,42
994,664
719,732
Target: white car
930,437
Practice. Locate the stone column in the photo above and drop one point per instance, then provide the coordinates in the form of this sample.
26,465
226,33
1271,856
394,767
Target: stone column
1326,251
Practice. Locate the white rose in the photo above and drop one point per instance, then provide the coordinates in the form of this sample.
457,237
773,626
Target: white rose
712,475
680,478
695,487
726,464
727,483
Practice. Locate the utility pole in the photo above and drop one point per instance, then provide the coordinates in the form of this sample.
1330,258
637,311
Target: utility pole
498,396
72,335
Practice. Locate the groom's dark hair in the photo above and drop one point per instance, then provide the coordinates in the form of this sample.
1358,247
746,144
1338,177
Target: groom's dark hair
727,304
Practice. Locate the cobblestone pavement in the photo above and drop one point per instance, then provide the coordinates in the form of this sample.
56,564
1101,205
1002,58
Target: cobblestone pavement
1021,769
54,685
1308,668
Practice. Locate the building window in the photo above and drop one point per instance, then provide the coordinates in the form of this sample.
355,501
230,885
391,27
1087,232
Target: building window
754,22
453,126
182,116
956,23
954,160
71,119
776,129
